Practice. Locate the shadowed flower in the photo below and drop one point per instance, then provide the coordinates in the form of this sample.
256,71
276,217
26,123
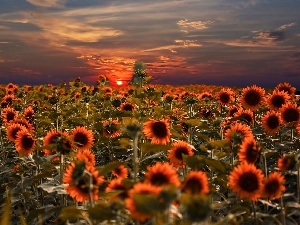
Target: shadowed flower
175,153
249,151
120,172
82,180
12,130
82,137
290,114
25,143
162,174
232,110
237,132
286,87
131,204
247,181
24,123
127,106
277,99
273,186
9,114
111,128
54,137
286,162
7,100
196,182
271,122
245,115
117,185
225,96
87,156
252,97
28,114
157,130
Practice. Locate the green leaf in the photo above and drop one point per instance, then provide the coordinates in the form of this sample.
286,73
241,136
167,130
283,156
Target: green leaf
101,212
6,213
195,162
70,212
218,144
104,170
147,147
217,166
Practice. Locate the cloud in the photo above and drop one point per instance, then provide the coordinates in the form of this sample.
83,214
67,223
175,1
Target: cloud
47,3
283,27
179,44
186,26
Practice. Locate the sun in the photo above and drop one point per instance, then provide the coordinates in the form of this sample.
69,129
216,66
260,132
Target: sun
119,82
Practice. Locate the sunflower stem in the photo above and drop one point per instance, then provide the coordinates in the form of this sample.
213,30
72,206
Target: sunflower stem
282,213
254,212
135,159
61,172
292,134
298,182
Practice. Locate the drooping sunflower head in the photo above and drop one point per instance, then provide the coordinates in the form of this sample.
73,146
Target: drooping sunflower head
28,114
24,123
252,97
237,132
127,106
87,156
157,130
249,151
271,122
111,128
277,99
290,114
196,182
273,186
178,149
133,206
56,141
25,142
117,185
247,181
245,115
82,137
286,87
162,174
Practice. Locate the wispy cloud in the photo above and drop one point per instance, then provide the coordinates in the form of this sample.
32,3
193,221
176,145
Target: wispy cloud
179,44
47,3
283,27
186,26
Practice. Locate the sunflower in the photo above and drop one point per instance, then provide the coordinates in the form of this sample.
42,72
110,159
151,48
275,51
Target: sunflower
12,130
225,96
9,114
162,174
56,138
178,149
196,182
77,176
127,106
87,156
290,114
205,96
25,143
158,131
271,122
117,185
247,181
24,123
28,114
273,186
7,100
206,113
277,99
249,151
286,87
232,110
252,97
120,172
245,115
111,128
286,162
131,204
77,95
107,91
82,137
237,132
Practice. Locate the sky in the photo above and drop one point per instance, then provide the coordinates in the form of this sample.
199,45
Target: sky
215,42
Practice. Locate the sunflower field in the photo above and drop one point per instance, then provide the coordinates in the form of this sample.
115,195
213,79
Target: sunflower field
149,154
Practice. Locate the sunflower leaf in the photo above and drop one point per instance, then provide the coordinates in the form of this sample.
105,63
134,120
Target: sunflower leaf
101,212
104,170
70,212
216,165
6,211
147,147
195,162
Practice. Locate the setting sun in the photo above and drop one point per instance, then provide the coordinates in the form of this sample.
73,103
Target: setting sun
119,82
